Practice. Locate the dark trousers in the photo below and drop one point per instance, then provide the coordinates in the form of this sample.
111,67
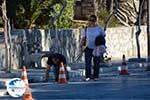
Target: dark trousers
88,64
56,72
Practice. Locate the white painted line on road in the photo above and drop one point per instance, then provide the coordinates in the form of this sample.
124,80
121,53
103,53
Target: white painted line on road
40,90
88,82
33,84
91,82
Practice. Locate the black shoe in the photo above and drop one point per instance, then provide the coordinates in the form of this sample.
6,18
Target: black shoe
95,79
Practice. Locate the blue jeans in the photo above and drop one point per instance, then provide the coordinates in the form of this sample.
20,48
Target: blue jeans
88,65
56,72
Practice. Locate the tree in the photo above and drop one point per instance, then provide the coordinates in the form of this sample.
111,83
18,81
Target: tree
64,21
138,23
11,11
29,11
38,12
7,38
114,12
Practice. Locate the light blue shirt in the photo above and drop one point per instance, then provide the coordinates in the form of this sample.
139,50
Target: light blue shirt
91,33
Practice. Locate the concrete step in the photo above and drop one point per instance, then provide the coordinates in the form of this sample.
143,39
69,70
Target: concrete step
38,75
3,82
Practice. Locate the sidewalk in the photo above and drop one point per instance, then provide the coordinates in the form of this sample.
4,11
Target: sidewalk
76,72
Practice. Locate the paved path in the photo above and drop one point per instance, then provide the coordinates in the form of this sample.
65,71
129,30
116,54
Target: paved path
111,86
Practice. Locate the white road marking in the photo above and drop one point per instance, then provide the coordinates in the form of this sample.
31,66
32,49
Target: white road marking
83,82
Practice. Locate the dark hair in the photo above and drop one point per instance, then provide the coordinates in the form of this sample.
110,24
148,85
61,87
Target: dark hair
100,40
55,56
93,18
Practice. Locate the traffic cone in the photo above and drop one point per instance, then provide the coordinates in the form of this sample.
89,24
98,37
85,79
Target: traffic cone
27,95
24,76
124,67
62,75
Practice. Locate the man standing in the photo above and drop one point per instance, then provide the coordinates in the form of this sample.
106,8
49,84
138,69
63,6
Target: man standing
55,61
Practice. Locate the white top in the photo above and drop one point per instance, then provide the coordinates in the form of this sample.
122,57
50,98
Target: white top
91,33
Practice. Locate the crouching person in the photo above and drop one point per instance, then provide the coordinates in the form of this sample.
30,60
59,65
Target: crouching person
55,61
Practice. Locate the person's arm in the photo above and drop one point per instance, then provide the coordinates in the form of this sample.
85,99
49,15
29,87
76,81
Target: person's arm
47,72
101,30
48,65
83,37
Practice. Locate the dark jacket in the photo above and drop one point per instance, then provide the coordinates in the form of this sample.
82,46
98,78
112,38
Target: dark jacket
59,56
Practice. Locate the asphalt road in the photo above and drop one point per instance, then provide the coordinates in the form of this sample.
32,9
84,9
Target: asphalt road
135,86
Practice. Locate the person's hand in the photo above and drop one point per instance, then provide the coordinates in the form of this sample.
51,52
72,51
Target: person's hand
81,48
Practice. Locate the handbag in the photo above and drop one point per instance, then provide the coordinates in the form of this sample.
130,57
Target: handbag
84,38
84,41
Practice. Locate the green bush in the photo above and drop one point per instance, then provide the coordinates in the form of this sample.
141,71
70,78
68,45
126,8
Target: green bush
65,19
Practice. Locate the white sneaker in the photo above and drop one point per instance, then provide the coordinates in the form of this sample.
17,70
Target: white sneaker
87,79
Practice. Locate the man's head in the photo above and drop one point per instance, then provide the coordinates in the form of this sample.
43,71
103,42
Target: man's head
55,59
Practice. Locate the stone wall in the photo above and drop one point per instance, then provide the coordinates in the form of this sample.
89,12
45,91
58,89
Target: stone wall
119,41
2,55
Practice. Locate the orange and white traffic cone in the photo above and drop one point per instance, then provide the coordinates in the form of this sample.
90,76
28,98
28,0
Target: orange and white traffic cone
24,76
124,67
62,75
27,95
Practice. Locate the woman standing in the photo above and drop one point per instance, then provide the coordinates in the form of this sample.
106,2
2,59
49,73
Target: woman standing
88,37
